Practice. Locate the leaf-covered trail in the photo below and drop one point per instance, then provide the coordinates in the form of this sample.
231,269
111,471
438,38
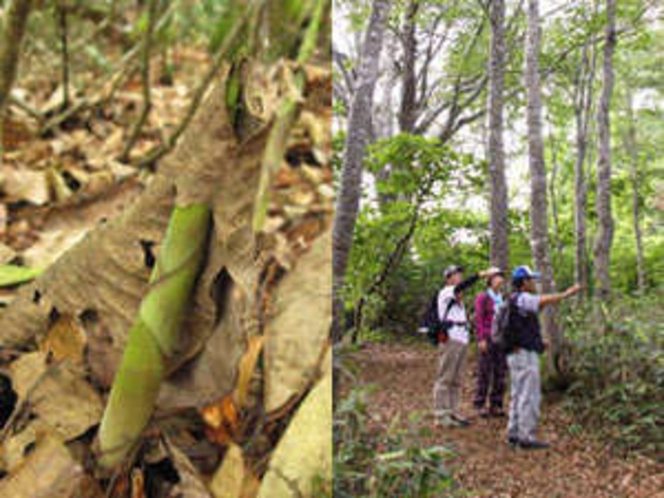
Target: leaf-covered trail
576,466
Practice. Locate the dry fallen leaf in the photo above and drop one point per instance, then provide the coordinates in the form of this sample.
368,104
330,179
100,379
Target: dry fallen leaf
190,483
295,341
58,394
223,418
25,185
7,254
16,447
49,472
229,479
302,459
65,340
246,370
222,421
137,484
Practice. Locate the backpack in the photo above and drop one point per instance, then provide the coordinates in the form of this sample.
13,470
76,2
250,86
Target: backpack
431,323
501,327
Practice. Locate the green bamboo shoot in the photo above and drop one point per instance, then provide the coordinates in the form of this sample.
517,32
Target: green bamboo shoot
154,337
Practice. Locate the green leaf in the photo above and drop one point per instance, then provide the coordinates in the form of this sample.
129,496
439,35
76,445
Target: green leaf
14,274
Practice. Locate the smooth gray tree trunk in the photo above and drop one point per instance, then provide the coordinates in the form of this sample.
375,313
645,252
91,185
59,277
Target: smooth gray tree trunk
604,238
499,221
539,222
582,111
385,113
631,144
358,135
408,109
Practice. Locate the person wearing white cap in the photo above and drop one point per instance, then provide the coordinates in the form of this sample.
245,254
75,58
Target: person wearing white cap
452,343
491,361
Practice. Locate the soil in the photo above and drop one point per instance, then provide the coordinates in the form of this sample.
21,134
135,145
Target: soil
577,465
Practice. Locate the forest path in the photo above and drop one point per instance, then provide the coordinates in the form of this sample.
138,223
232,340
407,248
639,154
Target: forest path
576,466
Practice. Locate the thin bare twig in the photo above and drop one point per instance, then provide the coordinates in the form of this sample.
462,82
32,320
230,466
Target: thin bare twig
145,77
156,153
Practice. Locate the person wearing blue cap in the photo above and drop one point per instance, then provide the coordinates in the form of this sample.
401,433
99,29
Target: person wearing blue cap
523,345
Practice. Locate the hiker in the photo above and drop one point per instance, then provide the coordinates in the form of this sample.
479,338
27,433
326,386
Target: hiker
491,364
523,345
452,345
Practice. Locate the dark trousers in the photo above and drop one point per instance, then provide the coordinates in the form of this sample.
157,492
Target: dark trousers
492,367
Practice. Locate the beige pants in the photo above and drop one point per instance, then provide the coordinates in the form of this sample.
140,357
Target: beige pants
447,387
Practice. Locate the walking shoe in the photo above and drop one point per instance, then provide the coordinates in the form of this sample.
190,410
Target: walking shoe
513,441
461,421
533,444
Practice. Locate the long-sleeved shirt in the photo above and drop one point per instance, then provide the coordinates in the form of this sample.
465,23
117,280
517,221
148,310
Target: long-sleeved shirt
457,313
484,313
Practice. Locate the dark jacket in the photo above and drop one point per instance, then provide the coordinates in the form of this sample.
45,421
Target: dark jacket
524,329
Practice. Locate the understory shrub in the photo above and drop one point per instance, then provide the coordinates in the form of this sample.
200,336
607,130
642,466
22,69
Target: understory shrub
371,463
618,373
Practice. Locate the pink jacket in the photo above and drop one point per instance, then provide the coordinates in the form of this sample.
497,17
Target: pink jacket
483,316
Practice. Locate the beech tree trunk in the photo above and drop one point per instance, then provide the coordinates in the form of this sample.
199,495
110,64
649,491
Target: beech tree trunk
539,222
386,116
582,110
408,107
604,239
357,138
499,222
16,18
631,144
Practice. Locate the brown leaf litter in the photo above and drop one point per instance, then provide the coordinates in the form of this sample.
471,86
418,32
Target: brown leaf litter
272,285
576,466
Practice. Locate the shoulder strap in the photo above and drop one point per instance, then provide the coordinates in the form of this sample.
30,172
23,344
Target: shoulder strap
450,303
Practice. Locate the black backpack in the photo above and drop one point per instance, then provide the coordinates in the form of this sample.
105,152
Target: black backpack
501,327
431,323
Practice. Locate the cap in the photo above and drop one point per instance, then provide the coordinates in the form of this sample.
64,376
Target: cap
523,272
451,270
494,270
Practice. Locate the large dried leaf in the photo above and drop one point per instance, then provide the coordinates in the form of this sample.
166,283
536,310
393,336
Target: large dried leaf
228,481
298,332
49,472
63,225
233,478
302,462
57,394
105,274
16,447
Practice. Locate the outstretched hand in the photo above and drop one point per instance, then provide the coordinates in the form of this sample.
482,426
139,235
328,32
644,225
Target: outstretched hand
575,289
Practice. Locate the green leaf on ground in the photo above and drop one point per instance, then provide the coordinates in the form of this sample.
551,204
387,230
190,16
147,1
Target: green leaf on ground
14,274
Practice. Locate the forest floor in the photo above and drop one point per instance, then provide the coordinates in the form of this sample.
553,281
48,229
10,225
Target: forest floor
576,466
58,187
